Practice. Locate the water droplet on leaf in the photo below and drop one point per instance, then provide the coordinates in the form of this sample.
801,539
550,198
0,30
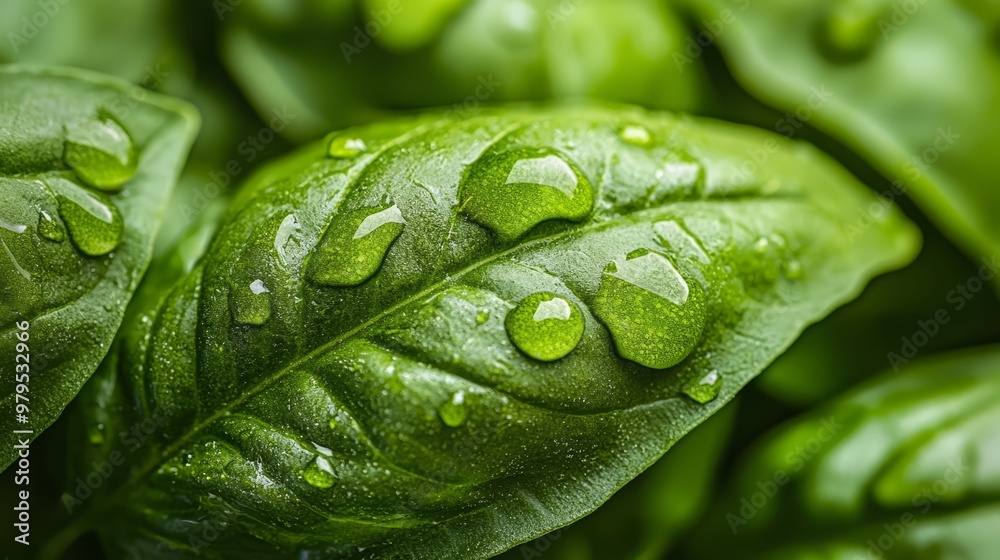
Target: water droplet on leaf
95,225
355,245
454,412
320,474
50,228
101,152
511,192
655,316
635,134
250,305
482,316
705,389
343,147
545,326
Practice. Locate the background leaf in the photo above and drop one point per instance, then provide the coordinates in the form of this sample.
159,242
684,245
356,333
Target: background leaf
73,254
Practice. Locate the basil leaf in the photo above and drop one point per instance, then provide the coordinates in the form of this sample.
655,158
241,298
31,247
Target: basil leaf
643,520
352,62
85,170
337,373
940,302
900,468
849,70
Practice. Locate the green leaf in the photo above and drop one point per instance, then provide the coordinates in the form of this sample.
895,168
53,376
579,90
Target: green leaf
287,407
901,468
645,518
355,61
85,170
911,88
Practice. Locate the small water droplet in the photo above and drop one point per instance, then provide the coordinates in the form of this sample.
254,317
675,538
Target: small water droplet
250,305
793,269
94,223
655,316
635,134
454,412
482,316
343,147
545,326
705,389
101,152
320,474
50,228
761,245
355,245
332,423
512,191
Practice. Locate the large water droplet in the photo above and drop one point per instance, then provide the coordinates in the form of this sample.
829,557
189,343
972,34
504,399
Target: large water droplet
319,473
655,316
50,228
674,236
454,412
511,192
355,245
250,305
101,152
705,389
635,134
95,225
343,147
289,226
545,326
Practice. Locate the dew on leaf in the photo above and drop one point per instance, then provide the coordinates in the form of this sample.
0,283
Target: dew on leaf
512,191
705,389
635,134
94,223
655,316
50,228
355,245
545,326
250,305
319,473
343,147
454,412
482,316
101,152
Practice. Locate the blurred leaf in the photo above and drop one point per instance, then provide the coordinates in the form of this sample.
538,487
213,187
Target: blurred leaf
352,66
903,468
913,86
